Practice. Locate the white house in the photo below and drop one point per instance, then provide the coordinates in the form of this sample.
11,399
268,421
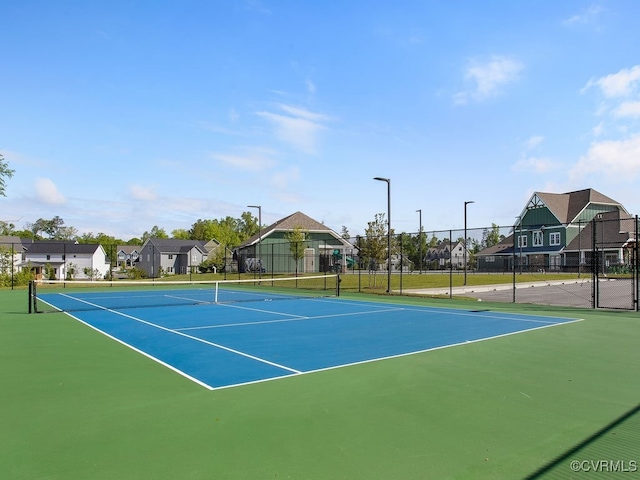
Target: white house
67,261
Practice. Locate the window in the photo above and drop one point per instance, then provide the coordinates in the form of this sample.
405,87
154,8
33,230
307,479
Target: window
522,241
48,257
170,257
554,238
538,238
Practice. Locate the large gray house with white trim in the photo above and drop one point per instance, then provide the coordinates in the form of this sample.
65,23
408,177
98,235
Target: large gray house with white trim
169,256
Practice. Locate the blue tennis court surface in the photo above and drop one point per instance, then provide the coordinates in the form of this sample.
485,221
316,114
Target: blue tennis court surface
224,345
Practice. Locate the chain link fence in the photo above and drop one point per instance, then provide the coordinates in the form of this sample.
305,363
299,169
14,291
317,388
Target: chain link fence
590,264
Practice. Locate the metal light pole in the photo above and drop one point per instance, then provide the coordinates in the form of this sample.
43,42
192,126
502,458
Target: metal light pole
465,239
420,238
259,207
381,179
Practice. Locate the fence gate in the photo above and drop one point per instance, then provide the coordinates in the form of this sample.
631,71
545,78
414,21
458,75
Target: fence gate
614,263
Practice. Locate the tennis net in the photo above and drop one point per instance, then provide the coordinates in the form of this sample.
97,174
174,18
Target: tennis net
58,295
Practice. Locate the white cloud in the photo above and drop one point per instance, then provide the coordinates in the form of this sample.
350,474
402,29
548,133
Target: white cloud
48,193
535,165
311,87
534,141
488,78
299,128
598,129
621,84
585,16
628,109
253,160
139,192
616,159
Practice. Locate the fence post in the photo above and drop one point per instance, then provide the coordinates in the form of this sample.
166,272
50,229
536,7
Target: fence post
401,260
594,265
636,268
513,266
450,265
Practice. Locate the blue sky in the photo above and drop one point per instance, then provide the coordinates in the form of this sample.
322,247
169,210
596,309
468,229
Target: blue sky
118,116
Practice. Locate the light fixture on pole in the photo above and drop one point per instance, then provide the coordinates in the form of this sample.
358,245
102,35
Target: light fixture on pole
259,261
381,179
420,238
465,239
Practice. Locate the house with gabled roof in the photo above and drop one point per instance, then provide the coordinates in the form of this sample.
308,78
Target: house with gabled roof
66,260
553,233
269,250
170,256
445,255
128,255
11,251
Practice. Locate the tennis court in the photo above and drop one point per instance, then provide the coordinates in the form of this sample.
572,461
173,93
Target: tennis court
223,338
77,404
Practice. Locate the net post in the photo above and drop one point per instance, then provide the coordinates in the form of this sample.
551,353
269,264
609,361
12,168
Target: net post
30,295
33,297
215,297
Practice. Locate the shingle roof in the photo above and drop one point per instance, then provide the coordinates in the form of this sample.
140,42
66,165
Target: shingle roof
11,239
567,206
172,245
295,220
613,229
129,249
61,247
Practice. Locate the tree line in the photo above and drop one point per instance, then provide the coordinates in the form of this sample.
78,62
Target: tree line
227,231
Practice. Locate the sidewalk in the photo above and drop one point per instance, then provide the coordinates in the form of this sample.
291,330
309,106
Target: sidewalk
470,289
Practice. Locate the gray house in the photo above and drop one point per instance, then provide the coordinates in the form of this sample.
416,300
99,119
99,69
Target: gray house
270,251
446,255
128,255
168,256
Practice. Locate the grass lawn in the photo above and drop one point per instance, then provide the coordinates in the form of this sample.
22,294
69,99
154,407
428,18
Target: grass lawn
74,404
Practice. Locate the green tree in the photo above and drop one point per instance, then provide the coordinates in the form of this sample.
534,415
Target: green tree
249,225
5,172
53,229
491,237
180,234
374,247
156,232
296,239
101,238
7,228
227,231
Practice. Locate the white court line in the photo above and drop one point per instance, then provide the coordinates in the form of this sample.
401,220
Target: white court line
217,345
383,309
463,312
284,320
406,354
